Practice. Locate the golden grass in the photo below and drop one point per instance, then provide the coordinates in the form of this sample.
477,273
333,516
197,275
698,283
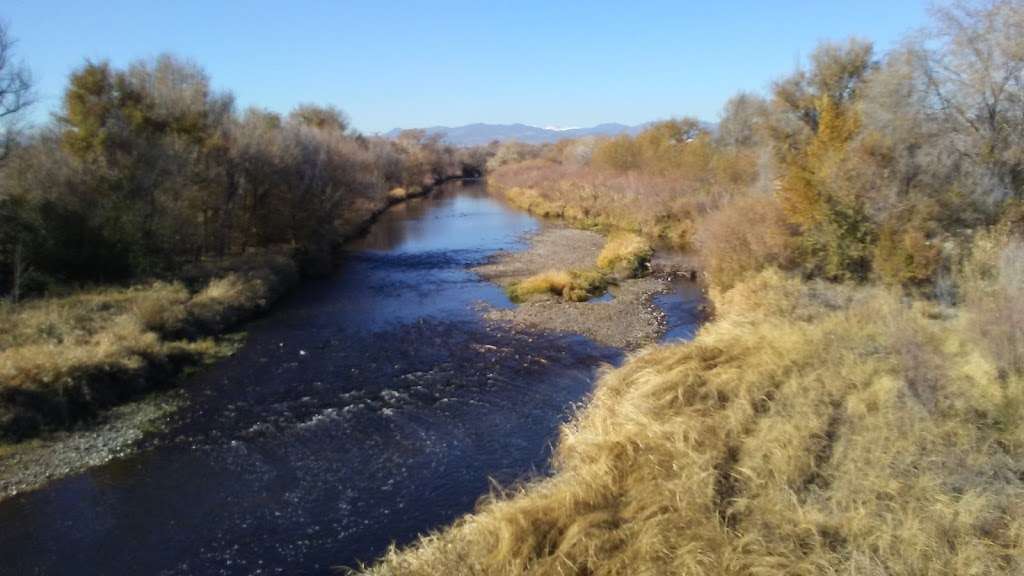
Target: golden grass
64,357
625,253
574,286
811,429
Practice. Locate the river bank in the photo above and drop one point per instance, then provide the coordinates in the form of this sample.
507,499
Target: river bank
364,409
123,351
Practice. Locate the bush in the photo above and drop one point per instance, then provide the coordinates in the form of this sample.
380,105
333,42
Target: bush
743,238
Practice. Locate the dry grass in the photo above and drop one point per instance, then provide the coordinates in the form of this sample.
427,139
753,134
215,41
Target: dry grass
574,286
994,292
625,253
63,358
811,429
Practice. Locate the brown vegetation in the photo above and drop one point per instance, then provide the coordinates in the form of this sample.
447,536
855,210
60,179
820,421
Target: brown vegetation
861,410
745,453
194,216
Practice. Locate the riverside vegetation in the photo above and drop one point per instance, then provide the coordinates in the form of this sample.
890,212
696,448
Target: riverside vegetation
857,405
150,215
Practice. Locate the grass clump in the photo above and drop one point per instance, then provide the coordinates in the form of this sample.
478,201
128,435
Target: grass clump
811,429
625,254
574,286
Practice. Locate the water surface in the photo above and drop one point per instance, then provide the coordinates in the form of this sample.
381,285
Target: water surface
366,409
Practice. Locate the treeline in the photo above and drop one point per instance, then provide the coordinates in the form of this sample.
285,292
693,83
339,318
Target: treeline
860,167
148,169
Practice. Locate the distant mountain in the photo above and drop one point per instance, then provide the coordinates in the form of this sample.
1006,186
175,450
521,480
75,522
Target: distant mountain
477,134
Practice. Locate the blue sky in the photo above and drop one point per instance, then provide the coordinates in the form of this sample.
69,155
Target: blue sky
414,64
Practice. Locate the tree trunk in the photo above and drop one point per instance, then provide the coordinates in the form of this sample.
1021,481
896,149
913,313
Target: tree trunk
19,271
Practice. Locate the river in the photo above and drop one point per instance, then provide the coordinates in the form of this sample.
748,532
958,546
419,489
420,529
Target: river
365,409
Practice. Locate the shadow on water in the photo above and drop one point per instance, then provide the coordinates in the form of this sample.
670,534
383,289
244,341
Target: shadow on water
368,408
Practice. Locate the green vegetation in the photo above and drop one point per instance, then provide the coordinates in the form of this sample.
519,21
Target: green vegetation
624,255
857,405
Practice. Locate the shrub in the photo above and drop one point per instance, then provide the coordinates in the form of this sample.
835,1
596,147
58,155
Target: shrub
906,257
743,238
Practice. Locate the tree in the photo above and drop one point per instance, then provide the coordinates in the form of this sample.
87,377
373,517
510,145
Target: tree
320,117
743,121
973,61
15,90
817,121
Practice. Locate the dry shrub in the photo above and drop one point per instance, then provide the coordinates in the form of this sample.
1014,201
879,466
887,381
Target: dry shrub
905,256
771,444
658,207
744,237
549,282
161,307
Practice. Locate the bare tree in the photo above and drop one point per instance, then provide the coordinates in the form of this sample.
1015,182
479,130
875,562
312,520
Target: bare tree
15,89
975,70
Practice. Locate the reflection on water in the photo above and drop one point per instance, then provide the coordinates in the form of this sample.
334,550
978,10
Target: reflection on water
366,409
684,311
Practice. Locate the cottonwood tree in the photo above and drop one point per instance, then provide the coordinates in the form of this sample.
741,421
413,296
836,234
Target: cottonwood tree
15,90
973,61
814,122
15,96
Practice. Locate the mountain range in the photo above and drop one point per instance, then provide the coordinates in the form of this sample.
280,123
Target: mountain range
478,134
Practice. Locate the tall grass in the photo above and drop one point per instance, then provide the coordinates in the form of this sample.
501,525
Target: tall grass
811,429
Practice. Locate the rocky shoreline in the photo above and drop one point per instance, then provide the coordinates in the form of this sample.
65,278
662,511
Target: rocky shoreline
626,317
29,465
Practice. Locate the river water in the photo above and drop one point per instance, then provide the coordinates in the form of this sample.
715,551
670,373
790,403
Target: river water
365,409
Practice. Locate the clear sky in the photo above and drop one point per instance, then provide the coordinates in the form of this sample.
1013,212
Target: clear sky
415,64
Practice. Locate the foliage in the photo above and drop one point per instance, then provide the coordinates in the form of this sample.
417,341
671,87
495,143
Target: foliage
148,169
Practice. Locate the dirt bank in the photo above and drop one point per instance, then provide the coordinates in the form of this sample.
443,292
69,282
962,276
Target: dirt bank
625,318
